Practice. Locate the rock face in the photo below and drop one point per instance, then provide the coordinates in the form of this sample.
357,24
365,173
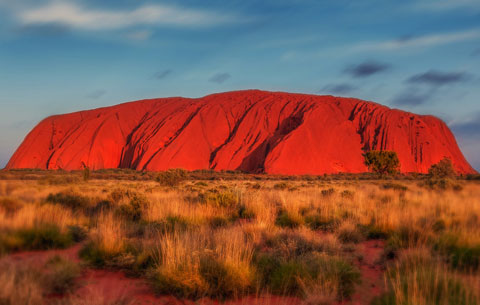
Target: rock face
253,131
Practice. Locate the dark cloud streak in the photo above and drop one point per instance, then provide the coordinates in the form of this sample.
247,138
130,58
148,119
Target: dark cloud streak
220,78
162,74
437,78
96,94
366,69
343,88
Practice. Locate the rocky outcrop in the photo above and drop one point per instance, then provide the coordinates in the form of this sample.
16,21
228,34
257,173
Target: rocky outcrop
253,131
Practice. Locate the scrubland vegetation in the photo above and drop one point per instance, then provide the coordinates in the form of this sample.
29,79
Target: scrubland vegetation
194,237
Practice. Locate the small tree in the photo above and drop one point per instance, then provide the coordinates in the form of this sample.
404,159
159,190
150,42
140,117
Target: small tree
442,169
382,162
86,172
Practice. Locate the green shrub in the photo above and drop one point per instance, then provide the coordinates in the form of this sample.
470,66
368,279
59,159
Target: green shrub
245,213
179,282
285,278
172,177
316,221
219,221
420,279
458,255
70,199
94,255
442,169
292,276
60,275
219,198
225,280
349,233
288,220
134,208
382,162
38,238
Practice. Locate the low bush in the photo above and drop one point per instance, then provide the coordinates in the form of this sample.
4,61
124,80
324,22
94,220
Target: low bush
9,205
459,255
70,199
420,279
328,192
41,237
172,177
280,186
316,221
296,275
133,209
395,186
349,233
60,275
219,198
286,219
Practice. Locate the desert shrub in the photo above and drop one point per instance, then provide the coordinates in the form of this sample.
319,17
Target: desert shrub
41,237
382,162
201,183
442,169
349,233
286,219
256,186
219,221
441,184
290,244
284,279
328,192
59,179
225,279
373,231
316,221
280,186
70,199
347,194
60,275
420,279
245,212
107,241
77,233
193,264
294,276
10,205
219,198
180,282
459,255
395,186
133,210
172,177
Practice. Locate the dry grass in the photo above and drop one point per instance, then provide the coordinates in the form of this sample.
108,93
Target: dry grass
223,238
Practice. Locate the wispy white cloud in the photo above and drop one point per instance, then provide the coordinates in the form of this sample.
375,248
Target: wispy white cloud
420,41
407,43
80,17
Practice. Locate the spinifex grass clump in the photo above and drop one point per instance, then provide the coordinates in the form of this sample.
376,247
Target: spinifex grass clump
196,264
302,264
36,227
419,278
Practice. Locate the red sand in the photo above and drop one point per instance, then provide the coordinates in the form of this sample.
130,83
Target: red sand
114,285
253,131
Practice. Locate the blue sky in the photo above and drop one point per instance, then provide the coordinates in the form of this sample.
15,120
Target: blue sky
60,56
